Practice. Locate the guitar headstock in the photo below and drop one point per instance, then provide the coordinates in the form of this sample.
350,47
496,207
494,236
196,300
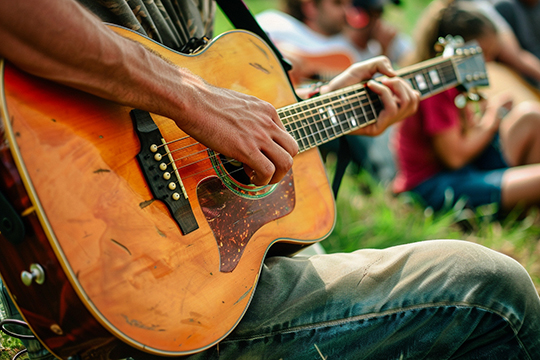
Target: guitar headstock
468,61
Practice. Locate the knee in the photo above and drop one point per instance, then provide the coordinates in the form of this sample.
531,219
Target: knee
528,115
486,278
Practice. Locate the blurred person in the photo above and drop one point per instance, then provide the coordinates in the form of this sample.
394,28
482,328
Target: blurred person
449,151
310,34
370,33
512,54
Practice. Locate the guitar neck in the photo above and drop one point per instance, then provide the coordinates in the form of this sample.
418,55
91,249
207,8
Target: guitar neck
319,120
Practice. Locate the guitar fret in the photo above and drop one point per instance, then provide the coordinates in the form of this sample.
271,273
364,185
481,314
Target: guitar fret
341,116
304,132
329,119
358,104
306,121
375,106
324,122
292,127
316,121
345,114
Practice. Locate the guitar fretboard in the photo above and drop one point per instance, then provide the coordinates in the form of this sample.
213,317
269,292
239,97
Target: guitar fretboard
319,120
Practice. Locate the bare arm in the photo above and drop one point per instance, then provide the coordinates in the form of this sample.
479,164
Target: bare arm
61,41
457,147
518,58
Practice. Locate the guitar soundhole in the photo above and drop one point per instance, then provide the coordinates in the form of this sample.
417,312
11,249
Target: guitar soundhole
235,169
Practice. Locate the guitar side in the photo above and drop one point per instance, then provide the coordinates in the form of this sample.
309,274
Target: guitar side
125,258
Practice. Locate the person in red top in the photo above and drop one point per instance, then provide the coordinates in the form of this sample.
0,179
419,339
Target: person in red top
488,152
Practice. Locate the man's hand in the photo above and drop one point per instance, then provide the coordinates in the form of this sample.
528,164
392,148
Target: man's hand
399,99
238,126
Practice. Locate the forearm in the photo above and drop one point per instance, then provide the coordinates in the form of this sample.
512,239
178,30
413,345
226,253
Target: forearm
520,60
72,47
456,148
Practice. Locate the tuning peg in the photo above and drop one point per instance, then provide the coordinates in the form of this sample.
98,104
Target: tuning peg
461,100
439,45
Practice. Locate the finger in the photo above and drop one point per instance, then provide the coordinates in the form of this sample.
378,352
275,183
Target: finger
287,142
259,169
269,166
390,105
407,98
383,65
281,160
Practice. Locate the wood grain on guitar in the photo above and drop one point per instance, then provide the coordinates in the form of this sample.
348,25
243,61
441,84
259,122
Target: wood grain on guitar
119,272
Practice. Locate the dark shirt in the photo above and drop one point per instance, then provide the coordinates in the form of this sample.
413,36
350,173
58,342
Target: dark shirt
169,22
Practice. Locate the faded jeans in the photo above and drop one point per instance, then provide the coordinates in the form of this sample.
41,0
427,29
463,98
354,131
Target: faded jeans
430,300
438,300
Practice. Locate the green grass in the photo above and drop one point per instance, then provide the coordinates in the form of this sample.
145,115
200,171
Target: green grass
9,346
378,219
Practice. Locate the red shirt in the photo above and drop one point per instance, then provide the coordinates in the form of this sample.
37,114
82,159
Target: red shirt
416,159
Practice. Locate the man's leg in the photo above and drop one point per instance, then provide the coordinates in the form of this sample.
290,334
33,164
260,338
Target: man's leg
431,300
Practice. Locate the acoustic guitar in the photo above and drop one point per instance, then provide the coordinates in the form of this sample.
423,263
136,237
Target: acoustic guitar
123,236
505,79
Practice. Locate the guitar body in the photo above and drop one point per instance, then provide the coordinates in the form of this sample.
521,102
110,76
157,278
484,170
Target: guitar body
505,79
116,263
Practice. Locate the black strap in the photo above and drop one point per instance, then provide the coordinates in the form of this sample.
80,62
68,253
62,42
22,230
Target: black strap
343,160
241,18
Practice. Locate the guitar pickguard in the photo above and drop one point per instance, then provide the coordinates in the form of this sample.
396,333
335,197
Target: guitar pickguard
234,219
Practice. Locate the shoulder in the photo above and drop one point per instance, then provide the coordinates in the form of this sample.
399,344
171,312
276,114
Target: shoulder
277,21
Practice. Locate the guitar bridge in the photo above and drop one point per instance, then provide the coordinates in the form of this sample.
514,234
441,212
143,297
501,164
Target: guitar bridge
159,175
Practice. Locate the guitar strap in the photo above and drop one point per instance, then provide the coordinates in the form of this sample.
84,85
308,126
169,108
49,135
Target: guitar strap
343,160
242,18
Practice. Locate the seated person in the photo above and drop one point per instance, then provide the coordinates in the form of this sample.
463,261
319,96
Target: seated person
511,53
445,153
310,34
372,35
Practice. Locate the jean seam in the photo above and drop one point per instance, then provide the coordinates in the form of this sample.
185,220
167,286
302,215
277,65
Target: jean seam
384,313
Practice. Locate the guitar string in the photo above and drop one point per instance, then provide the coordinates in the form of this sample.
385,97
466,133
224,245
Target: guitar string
361,95
354,92
340,124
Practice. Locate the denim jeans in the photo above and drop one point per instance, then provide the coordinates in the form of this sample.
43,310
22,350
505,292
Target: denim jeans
442,299
438,300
